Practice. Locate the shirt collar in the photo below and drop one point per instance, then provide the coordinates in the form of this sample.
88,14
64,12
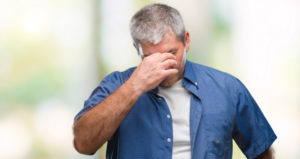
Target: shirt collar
189,74
191,82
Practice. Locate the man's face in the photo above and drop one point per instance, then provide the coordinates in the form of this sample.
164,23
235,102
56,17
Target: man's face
171,45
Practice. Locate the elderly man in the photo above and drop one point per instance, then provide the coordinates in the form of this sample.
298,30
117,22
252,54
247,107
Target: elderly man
169,107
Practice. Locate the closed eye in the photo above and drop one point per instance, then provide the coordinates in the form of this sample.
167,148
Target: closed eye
173,51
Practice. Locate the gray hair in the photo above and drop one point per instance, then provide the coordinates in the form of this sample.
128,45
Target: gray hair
153,22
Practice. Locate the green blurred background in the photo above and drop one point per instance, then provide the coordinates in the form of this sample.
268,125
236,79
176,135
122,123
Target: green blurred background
53,53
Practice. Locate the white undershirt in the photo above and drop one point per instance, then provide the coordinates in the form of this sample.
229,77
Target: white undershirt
178,100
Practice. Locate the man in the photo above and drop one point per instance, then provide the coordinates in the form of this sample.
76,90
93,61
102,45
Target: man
168,107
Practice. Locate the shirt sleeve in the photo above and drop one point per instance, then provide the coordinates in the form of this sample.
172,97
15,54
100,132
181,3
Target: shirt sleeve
107,86
252,132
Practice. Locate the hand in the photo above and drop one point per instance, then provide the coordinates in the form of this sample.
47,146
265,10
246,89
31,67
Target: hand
153,70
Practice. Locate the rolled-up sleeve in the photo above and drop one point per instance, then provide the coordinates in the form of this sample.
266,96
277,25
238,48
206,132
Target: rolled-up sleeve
252,132
107,86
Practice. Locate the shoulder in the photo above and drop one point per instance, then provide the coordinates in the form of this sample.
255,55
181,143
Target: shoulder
119,76
208,74
215,81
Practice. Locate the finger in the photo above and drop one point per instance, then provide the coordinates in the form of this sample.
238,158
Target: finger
169,63
170,72
166,56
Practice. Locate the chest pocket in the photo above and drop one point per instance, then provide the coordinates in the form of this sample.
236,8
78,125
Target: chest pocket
218,131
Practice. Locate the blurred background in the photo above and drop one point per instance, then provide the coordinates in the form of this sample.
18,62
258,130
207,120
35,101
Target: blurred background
53,53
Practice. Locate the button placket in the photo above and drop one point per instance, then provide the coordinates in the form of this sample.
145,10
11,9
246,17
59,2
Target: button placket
169,132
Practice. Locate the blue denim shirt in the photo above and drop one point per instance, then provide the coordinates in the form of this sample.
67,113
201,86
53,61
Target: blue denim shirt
221,109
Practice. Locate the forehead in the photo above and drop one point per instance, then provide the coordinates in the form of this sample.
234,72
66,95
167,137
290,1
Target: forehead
168,43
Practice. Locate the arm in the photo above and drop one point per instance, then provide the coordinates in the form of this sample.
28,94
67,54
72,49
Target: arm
97,125
252,132
268,154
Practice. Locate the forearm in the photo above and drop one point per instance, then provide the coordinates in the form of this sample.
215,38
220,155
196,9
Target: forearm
95,127
268,154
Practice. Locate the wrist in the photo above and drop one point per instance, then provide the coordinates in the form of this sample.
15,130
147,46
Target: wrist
134,89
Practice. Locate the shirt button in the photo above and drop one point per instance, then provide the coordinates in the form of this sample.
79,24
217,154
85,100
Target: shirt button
217,142
196,83
168,116
169,139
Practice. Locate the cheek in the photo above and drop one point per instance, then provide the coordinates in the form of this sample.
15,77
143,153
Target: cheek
179,59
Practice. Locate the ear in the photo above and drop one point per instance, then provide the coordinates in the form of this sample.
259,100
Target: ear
187,41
